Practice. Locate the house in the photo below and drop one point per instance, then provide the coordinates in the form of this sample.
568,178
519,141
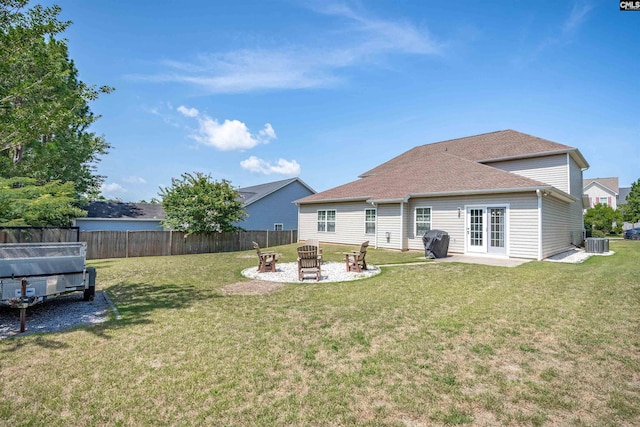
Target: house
122,216
623,194
602,190
503,193
270,206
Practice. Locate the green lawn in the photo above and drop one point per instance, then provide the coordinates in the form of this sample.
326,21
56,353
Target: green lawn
421,345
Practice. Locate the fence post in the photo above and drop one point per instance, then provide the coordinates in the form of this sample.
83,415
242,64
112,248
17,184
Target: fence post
126,244
267,238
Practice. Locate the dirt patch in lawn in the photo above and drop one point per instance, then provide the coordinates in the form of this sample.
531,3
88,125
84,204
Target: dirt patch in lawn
254,287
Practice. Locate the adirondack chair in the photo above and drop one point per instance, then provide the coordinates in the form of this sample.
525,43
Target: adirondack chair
309,262
267,261
316,243
355,259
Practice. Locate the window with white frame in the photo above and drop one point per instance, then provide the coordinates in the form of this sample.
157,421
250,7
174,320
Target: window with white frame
603,200
327,221
277,227
369,221
423,220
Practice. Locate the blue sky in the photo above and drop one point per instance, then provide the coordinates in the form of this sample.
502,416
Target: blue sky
258,91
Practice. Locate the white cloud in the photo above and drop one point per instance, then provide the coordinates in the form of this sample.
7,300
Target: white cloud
282,167
134,180
113,188
577,17
189,112
229,135
561,36
351,38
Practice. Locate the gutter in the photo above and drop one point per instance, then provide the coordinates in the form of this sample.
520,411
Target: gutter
346,199
476,192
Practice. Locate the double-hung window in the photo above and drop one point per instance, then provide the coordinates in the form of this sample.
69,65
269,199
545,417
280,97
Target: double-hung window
277,226
423,220
369,221
327,221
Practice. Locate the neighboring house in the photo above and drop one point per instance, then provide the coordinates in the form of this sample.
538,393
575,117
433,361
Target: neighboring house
622,194
502,193
602,191
270,206
121,216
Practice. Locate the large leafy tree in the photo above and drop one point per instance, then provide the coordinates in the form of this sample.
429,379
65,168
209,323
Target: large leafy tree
44,107
196,204
631,207
601,218
24,203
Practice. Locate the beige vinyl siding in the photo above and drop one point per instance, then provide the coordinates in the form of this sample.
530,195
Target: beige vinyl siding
388,221
552,170
349,223
556,229
522,221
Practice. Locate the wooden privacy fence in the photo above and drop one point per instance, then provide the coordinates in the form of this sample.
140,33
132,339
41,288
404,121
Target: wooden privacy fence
39,234
124,244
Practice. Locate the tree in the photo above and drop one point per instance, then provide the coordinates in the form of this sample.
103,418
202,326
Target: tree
197,204
601,217
44,111
24,203
631,207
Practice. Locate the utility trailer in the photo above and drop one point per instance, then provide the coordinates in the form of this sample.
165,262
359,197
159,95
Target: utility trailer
32,272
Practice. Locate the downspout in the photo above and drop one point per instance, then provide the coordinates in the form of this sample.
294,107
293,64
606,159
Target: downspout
401,226
375,236
539,194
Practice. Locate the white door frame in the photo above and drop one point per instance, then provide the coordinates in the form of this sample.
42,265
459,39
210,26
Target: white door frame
478,235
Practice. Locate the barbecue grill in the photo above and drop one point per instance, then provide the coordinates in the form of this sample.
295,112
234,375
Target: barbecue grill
436,244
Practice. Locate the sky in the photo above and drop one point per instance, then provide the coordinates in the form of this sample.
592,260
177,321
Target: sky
259,91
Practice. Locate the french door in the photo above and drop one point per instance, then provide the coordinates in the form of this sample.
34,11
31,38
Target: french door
486,229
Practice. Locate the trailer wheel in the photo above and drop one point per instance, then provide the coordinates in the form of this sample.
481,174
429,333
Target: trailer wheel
89,293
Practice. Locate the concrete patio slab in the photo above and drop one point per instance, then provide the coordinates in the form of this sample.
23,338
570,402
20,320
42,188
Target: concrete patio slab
483,260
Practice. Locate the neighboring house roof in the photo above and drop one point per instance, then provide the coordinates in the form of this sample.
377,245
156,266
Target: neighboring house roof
254,193
451,167
610,184
622,195
123,210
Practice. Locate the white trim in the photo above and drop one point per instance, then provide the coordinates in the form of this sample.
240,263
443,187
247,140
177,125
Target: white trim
335,220
415,219
401,226
486,231
539,194
375,221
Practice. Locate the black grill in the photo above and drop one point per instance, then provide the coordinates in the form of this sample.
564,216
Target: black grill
436,244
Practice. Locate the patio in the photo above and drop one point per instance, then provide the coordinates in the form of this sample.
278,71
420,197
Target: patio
287,272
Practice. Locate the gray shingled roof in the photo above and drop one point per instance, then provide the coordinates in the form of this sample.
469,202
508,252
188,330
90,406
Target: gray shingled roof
256,192
622,195
449,167
124,210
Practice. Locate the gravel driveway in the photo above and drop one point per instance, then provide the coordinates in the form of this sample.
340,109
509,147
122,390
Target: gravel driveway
57,314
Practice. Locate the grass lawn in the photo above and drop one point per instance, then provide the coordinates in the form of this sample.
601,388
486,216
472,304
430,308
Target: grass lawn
421,345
